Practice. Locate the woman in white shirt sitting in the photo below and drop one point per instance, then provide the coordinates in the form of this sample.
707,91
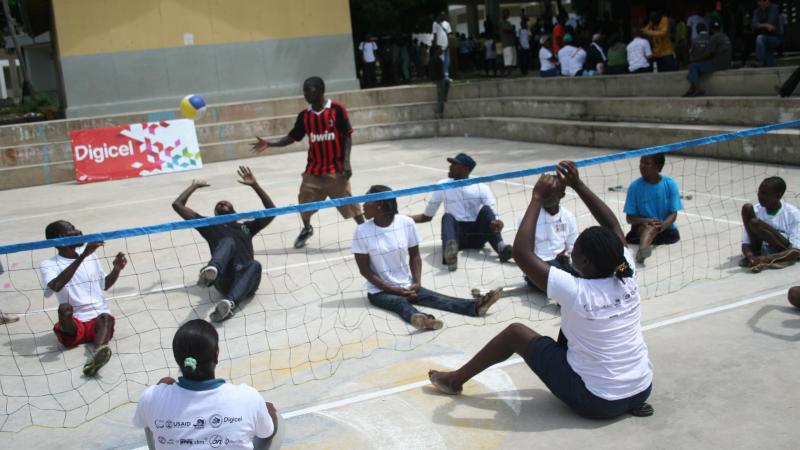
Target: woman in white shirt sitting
386,248
202,410
599,366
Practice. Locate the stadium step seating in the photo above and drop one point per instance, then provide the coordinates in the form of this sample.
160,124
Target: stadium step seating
620,112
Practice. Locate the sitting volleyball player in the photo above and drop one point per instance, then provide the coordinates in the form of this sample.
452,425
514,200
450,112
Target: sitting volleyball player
202,410
771,229
78,280
386,249
556,231
599,366
233,269
651,207
470,214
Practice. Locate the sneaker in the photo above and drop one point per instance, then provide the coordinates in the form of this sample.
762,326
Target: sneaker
223,310
425,322
98,360
7,318
506,253
305,233
451,255
208,275
484,303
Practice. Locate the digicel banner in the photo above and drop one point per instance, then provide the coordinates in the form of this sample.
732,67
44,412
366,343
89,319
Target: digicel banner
135,150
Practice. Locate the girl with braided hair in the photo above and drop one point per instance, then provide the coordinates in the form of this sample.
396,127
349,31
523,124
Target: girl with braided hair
599,365
200,409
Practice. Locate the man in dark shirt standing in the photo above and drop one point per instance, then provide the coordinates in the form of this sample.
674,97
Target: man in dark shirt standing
328,168
716,56
233,269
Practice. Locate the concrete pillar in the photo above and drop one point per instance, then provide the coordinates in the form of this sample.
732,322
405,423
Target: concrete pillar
16,87
473,28
493,11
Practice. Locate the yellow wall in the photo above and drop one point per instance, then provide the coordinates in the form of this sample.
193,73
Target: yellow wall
87,27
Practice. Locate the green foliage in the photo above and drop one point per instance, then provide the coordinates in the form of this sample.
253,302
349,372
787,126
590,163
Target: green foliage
381,17
40,103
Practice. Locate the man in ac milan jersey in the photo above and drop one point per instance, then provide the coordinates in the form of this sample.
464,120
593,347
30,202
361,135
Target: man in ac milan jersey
328,168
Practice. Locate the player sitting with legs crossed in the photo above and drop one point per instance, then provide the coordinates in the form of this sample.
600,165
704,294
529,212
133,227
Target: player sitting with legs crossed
470,214
771,229
599,366
651,207
232,270
78,280
386,249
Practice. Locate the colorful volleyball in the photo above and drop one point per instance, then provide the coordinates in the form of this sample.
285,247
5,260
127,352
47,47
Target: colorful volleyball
193,106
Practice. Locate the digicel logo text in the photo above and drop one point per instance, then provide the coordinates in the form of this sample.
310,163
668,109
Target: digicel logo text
100,154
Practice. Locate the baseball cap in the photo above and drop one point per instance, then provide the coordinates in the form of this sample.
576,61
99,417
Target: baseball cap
464,160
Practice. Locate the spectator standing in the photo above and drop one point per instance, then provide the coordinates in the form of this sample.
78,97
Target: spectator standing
681,43
717,56
490,57
659,31
441,28
639,54
524,52
368,47
508,39
697,18
558,33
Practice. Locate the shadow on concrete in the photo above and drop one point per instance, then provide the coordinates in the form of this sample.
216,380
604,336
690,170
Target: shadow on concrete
540,411
791,324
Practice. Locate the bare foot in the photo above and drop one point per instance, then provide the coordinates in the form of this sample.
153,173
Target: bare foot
486,302
442,382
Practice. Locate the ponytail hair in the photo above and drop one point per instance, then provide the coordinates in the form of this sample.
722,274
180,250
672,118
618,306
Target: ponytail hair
195,347
388,206
605,252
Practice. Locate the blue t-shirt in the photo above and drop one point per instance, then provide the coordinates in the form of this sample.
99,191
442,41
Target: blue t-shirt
653,200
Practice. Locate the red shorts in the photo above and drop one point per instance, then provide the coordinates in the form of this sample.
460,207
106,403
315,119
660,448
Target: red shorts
85,332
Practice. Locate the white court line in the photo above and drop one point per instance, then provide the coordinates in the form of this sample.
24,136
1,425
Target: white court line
513,361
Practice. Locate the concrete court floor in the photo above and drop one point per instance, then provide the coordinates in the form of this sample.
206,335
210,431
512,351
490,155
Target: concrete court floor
723,347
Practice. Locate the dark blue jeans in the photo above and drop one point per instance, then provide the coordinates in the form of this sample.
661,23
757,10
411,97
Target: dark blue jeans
471,234
235,281
765,49
697,69
425,297
548,73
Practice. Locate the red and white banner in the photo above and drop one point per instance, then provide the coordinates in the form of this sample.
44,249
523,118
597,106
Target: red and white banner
135,150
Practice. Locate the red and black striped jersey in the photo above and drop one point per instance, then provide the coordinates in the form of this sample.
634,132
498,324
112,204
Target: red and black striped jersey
326,131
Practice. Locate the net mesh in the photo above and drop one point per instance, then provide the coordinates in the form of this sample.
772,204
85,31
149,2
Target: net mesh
310,314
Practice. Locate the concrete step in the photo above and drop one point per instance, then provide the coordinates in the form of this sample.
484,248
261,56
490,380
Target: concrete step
740,82
777,147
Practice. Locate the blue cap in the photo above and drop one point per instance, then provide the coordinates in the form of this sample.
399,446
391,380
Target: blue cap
464,160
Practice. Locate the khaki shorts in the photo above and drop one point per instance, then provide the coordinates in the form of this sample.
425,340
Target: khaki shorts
316,188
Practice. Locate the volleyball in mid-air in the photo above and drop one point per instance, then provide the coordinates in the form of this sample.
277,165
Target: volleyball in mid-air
193,106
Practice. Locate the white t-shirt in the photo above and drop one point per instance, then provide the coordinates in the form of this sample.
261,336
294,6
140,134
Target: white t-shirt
638,52
544,59
387,248
464,203
440,32
84,291
368,51
786,222
692,23
571,60
228,416
601,320
524,40
554,234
